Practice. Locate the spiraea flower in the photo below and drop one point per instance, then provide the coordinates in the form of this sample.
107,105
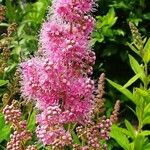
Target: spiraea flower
58,80
50,128
52,83
70,48
72,10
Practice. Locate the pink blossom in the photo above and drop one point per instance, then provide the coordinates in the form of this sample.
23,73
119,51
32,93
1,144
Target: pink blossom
50,135
58,80
72,10
50,128
49,83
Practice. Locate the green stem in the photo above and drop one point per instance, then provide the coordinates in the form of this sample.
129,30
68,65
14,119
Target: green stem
146,74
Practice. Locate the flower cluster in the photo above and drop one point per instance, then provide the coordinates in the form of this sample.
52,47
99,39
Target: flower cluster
99,100
59,75
115,113
58,78
50,131
12,113
54,135
52,83
20,135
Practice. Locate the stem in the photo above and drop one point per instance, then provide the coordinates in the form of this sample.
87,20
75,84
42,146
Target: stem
69,127
146,74
30,112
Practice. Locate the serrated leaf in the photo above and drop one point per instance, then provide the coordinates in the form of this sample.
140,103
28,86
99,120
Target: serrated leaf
111,19
125,91
132,80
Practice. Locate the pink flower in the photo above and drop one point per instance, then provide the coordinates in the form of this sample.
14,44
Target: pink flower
50,83
72,10
58,80
50,129
51,135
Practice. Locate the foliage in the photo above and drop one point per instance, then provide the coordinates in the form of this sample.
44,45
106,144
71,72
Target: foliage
112,34
135,137
19,34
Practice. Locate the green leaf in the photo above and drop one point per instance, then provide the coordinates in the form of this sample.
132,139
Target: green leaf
125,91
146,16
134,49
139,114
130,129
146,56
75,138
4,129
110,17
3,82
132,80
108,20
10,68
145,133
139,143
136,67
141,92
120,137
146,115
10,11
32,121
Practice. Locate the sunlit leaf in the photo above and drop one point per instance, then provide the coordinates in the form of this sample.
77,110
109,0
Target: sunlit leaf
132,80
120,137
125,91
3,82
146,56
